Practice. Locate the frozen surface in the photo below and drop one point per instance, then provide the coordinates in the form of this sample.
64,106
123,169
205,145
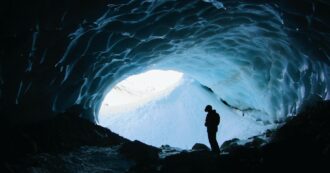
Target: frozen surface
178,119
139,89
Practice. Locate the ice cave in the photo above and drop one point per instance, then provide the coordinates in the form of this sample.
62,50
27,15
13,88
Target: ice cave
145,69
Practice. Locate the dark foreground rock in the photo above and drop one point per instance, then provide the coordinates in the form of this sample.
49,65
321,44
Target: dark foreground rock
303,142
200,147
61,133
145,156
140,152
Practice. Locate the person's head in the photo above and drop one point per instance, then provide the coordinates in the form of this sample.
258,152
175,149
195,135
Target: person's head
208,108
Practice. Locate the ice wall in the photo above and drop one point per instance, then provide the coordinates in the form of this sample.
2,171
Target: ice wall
243,53
262,56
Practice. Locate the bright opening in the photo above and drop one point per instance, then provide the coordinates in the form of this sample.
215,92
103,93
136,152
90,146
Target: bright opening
167,107
138,90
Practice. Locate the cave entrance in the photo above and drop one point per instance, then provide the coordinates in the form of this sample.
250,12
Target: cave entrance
157,107
138,90
160,107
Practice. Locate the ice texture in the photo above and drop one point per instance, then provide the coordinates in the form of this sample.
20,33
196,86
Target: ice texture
266,57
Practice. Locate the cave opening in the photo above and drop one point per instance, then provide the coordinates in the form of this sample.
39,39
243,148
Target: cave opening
138,90
166,107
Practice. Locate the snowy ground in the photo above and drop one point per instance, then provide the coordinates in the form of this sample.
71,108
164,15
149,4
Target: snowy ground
177,119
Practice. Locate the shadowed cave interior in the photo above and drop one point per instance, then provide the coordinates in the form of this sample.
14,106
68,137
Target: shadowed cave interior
263,65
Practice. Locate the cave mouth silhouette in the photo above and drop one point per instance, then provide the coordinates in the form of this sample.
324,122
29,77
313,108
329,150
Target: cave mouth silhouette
166,107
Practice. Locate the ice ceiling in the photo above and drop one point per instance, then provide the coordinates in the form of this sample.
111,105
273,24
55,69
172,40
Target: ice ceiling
262,58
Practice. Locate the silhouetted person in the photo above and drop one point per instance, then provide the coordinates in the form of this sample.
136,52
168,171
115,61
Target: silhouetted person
211,122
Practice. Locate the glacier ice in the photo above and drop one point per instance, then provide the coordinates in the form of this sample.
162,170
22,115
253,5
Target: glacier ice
177,117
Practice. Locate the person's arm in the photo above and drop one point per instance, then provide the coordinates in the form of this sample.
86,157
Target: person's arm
206,120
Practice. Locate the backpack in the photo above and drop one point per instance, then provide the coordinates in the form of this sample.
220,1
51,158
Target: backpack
217,118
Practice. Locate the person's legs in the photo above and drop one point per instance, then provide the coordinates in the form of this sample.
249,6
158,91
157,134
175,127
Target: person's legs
212,134
216,145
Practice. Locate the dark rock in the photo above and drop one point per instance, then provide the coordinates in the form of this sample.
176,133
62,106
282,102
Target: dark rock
256,142
63,132
145,156
196,161
269,133
229,144
166,149
140,152
301,142
199,147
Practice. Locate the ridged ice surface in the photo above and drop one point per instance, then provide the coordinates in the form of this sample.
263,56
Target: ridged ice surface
243,50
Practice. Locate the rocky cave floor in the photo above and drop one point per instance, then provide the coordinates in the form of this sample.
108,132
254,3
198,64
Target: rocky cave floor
68,143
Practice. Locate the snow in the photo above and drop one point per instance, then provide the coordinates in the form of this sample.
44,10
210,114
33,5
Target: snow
139,89
177,119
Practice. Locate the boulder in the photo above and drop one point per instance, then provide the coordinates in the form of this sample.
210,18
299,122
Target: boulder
140,152
199,146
